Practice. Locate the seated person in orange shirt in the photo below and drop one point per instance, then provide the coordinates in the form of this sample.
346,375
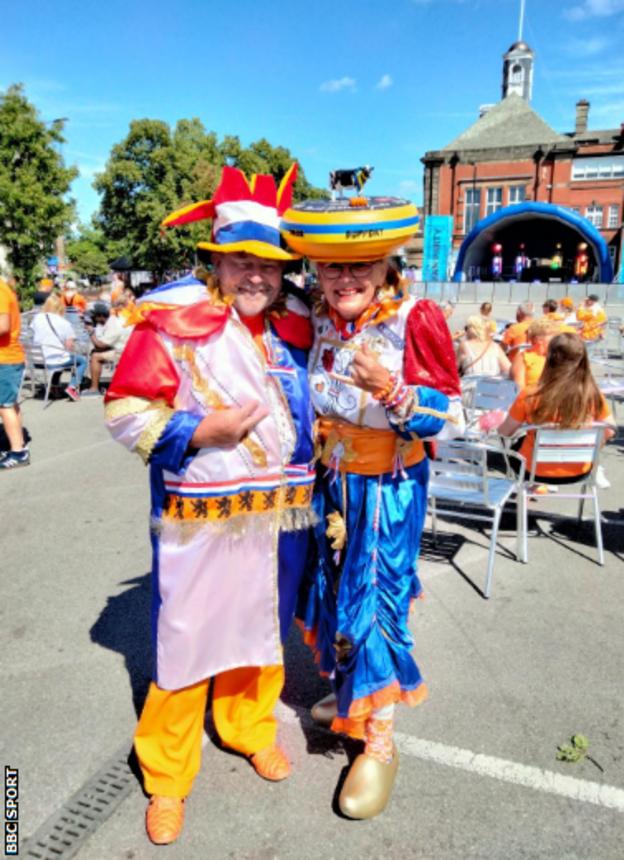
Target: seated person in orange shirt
516,334
567,395
72,298
594,319
527,366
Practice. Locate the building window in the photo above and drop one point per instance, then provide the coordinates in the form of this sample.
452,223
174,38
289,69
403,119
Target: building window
494,200
613,219
606,167
517,74
517,194
472,208
594,215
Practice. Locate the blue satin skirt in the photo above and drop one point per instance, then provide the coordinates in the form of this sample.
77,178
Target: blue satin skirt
357,600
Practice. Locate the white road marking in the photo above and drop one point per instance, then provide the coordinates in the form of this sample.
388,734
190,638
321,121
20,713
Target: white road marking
528,776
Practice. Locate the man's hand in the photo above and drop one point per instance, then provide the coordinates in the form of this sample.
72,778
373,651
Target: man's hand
366,372
226,427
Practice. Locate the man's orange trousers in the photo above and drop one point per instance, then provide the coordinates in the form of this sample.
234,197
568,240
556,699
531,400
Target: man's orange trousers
168,738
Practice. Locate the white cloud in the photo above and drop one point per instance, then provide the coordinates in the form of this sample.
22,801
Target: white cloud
593,9
338,84
590,47
384,82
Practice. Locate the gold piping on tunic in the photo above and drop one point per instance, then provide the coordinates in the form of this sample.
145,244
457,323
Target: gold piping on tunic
152,433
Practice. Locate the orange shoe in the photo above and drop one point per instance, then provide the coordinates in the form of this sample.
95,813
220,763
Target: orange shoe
164,819
271,763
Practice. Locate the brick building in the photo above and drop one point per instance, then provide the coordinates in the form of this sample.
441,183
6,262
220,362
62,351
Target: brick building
511,155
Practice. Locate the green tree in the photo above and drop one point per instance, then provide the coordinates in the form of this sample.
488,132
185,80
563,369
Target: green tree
34,183
147,176
88,253
155,170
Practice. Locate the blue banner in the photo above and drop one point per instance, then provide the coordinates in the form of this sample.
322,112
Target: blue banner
437,247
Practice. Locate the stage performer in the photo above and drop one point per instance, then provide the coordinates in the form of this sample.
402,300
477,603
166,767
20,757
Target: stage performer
496,266
581,262
212,392
382,375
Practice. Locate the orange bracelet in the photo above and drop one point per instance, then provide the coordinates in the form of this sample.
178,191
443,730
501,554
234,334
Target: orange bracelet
387,390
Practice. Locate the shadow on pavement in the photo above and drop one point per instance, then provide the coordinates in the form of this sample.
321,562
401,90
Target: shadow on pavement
124,626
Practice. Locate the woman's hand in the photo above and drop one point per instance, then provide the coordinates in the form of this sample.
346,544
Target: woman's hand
226,427
366,372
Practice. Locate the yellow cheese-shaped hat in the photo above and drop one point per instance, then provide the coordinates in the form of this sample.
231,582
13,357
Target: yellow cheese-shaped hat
349,228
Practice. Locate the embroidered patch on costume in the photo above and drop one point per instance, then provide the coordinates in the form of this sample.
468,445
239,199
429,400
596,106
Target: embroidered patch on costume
219,508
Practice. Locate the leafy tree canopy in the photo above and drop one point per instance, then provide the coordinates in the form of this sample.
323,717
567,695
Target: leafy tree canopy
88,252
155,170
34,183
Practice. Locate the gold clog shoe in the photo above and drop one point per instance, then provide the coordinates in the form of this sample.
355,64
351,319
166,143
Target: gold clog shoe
324,711
368,786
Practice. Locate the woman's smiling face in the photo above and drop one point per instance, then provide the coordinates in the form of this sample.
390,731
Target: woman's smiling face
349,288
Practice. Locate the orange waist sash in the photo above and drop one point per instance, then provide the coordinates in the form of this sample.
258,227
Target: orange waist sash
364,450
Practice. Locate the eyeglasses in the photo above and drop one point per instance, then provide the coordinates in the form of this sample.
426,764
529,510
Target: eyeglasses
333,271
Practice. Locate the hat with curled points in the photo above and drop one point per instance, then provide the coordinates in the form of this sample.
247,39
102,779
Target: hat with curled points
245,214
349,228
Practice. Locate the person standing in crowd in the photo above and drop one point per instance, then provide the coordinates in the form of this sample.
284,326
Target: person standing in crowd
72,298
448,309
594,319
382,372
515,335
57,339
551,311
11,372
212,392
566,308
44,289
486,314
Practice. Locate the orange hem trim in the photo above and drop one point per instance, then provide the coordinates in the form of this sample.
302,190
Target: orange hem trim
361,709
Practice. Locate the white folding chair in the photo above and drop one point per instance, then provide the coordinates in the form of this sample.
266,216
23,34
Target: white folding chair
40,372
460,480
554,445
485,394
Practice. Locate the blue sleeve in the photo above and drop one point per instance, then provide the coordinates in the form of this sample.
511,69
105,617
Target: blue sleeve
172,451
421,425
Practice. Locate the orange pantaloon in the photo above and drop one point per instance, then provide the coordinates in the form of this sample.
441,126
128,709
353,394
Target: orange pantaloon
168,738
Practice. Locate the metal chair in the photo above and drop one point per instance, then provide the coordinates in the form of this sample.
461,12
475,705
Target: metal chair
460,479
555,445
39,372
484,394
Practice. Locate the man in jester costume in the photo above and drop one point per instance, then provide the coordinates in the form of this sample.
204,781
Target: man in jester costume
382,380
212,392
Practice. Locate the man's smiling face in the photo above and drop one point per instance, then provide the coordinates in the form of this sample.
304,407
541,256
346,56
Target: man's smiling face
254,282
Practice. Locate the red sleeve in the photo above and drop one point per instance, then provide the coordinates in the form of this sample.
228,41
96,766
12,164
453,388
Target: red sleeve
294,329
145,369
429,355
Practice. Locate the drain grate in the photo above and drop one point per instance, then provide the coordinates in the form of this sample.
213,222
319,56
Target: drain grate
60,837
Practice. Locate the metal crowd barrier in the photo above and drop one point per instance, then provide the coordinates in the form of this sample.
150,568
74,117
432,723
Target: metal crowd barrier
610,295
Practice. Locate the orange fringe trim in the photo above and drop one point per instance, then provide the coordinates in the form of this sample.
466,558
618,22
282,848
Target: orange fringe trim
361,709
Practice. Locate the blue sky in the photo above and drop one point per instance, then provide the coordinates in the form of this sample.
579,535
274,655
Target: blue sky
339,83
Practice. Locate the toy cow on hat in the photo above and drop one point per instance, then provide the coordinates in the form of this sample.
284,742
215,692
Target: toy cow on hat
341,180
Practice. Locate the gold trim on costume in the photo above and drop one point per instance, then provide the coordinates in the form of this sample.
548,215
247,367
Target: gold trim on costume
152,433
219,508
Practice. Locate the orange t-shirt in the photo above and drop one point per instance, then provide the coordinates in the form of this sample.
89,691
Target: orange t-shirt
593,324
76,301
516,335
11,350
520,411
533,366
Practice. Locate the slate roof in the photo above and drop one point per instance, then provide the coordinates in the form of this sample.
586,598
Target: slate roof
511,122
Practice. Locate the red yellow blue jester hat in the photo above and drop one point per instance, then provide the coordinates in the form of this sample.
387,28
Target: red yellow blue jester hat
245,214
